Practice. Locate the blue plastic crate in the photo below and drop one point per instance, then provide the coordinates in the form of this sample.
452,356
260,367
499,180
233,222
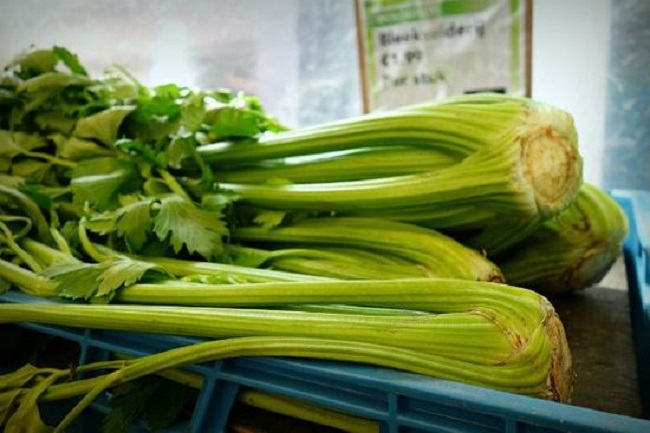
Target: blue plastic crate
401,402
637,264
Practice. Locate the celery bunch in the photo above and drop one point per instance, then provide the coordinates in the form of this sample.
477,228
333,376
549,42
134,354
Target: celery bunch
176,211
572,251
498,157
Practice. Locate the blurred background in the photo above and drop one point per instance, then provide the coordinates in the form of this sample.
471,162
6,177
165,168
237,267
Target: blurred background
589,57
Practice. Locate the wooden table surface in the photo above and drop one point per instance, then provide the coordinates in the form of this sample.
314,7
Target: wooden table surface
597,324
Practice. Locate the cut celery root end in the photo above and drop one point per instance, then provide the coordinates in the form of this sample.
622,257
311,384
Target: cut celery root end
551,161
561,376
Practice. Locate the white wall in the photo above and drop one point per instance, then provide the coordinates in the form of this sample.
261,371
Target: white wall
570,57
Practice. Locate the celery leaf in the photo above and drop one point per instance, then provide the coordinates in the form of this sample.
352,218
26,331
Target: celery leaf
121,273
31,169
231,122
193,112
76,280
270,219
52,82
69,59
77,149
102,126
98,282
134,223
154,117
99,181
179,149
34,63
55,121
36,192
183,223
102,223
141,152
8,147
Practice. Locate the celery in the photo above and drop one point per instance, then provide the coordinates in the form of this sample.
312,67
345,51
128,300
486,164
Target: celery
520,338
355,164
365,248
512,157
572,251
122,174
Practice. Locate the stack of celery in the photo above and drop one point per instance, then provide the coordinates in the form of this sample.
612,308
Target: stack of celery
386,239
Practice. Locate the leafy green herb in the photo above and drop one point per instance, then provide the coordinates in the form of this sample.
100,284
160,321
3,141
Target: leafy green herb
98,181
134,223
136,149
38,196
55,121
98,282
231,122
77,149
270,219
154,118
179,149
52,82
184,224
70,60
34,63
193,112
103,126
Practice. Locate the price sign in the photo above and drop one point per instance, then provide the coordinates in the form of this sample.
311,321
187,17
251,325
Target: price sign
417,50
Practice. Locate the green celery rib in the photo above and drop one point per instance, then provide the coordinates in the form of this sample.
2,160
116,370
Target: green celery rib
27,205
421,251
182,268
449,128
341,166
512,379
439,295
519,377
446,334
28,281
341,263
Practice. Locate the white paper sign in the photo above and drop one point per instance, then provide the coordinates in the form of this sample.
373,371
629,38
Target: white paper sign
417,50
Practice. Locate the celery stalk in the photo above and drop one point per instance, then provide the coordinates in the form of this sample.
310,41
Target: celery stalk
513,328
515,158
572,251
537,363
340,246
